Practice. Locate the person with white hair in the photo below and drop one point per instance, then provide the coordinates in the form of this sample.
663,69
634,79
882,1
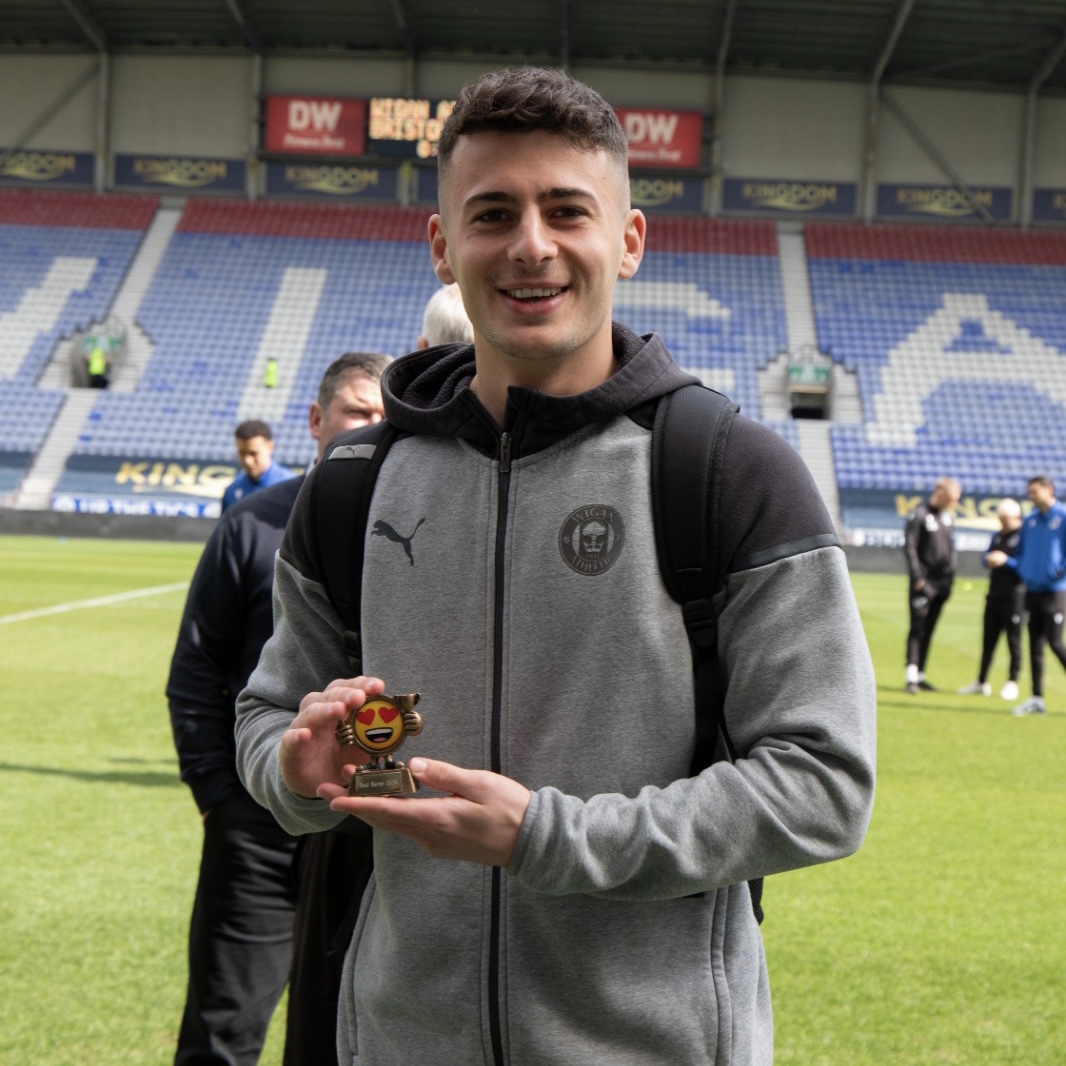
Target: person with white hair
444,320
1004,606
1041,562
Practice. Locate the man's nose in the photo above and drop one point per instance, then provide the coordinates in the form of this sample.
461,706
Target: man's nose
533,241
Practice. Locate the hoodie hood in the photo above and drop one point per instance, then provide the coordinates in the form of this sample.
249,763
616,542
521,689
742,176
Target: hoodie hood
428,392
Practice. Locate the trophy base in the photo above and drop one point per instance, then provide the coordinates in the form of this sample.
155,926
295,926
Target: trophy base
395,782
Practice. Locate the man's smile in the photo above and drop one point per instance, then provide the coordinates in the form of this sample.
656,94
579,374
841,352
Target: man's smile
532,294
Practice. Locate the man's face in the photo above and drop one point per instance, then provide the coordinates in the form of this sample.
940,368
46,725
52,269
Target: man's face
1009,520
944,497
536,231
357,402
1041,496
255,455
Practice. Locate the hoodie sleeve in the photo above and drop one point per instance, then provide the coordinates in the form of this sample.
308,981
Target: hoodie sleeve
799,706
198,689
305,653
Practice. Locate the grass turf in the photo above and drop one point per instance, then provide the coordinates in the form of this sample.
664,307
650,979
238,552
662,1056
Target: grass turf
939,942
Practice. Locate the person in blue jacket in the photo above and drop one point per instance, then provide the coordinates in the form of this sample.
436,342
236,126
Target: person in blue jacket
1041,563
255,451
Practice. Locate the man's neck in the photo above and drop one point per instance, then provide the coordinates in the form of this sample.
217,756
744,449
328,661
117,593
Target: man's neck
491,381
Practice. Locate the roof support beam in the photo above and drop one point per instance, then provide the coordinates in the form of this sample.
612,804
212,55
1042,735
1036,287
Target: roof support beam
869,178
930,150
1026,179
49,113
238,9
972,60
725,39
407,32
564,34
87,23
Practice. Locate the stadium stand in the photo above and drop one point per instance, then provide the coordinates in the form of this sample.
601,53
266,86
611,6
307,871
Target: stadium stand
240,282
712,290
957,337
62,259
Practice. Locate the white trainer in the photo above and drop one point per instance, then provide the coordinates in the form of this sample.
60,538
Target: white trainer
1009,691
978,688
1033,705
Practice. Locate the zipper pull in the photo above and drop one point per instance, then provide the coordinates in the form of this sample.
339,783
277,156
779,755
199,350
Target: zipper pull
505,453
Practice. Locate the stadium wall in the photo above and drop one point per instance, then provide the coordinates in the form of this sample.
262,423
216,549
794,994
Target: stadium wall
791,128
875,560
181,105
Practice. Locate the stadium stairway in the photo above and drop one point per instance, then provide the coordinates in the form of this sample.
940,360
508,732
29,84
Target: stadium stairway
813,435
139,346
796,288
816,448
35,492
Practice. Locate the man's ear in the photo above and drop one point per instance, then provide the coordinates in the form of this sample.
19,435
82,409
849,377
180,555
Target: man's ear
438,250
314,420
632,243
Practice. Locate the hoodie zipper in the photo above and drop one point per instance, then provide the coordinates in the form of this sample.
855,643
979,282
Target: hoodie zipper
503,493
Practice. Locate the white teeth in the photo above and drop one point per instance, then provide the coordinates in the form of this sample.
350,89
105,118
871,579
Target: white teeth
529,294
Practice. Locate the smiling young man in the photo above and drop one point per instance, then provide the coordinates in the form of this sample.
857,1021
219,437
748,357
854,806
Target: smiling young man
562,889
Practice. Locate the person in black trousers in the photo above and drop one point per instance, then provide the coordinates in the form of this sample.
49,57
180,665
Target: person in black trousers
1004,606
242,945
929,547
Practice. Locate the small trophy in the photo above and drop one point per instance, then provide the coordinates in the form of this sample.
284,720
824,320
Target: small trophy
379,727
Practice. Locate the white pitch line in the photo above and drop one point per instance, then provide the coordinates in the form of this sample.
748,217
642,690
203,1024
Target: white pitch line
100,601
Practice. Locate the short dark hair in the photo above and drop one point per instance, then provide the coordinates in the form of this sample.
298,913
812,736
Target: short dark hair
534,98
253,427
372,364
1043,481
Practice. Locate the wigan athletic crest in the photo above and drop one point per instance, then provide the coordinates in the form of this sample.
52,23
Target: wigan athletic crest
591,539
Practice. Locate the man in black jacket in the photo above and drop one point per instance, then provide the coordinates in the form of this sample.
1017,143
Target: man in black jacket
241,933
929,546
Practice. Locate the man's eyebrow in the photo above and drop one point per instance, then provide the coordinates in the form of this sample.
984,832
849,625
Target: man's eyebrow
555,193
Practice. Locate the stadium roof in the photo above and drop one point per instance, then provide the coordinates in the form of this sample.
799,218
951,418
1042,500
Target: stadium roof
1008,45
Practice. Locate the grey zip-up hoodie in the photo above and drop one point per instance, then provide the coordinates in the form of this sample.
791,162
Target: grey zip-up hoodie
522,598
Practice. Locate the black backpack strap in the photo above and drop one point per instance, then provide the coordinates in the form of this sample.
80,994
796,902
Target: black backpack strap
341,504
343,487
688,447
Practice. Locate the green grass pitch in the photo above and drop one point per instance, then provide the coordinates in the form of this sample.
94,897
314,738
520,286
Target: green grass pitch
939,942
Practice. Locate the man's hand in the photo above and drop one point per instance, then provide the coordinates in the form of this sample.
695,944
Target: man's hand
478,821
310,755
996,559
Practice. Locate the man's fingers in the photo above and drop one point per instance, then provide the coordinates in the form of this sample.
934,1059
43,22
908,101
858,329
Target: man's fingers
443,776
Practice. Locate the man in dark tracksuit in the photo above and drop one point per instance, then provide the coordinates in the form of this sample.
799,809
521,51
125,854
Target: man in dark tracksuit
242,941
929,545
1004,606
1041,562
